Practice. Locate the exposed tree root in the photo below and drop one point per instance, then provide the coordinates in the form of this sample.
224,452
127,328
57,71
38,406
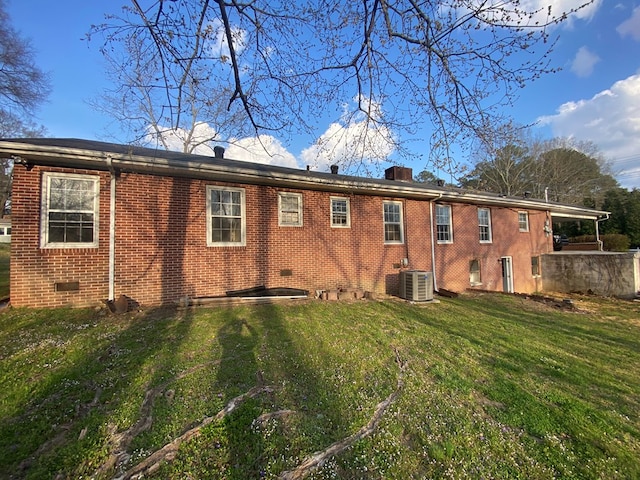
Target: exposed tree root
168,452
120,442
317,459
60,438
265,417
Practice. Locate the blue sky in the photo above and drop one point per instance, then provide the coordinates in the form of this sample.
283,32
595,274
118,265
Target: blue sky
596,96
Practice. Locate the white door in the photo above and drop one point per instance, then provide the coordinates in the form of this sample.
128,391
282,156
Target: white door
507,275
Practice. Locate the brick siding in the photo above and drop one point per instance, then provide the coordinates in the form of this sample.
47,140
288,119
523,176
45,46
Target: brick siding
162,253
34,271
452,260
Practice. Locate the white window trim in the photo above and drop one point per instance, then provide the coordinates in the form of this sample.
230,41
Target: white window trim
44,210
342,199
393,242
281,222
450,240
488,210
526,214
243,219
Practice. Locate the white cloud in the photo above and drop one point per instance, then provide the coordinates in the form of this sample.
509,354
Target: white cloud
560,6
262,149
631,26
219,43
611,120
584,62
201,138
557,9
354,141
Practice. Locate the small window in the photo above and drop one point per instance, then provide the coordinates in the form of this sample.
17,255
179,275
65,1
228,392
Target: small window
9,231
474,272
290,209
443,224
226,214
340,214
484,225
392,215
523,221
2,231
69,210
535,266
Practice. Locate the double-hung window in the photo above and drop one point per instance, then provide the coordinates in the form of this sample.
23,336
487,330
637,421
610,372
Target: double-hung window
523,221
393,231
443,224
290,209
484,225
70,205
340,212
226,216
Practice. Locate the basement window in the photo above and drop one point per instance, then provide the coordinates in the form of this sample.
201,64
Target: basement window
474,273
535,266
226,215
70,205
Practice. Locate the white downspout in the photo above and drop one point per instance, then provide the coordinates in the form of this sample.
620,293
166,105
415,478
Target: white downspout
433,247
606,217
112,230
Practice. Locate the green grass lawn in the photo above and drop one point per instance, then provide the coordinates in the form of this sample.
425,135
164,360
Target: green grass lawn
5,250
489,386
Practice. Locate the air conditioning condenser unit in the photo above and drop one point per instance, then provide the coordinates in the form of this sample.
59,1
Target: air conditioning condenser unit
416,285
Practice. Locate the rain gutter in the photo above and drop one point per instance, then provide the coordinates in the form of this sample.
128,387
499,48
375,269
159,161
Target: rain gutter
226,170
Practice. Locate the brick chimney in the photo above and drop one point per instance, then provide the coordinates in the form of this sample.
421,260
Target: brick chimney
402,174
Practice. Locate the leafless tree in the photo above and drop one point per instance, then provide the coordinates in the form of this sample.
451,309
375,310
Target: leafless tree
406,65
23,87
560,169
507,173
570,175
12,126
165,101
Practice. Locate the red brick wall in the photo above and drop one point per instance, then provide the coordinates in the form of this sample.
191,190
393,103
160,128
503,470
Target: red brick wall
164,237
452,260
35,271
162,253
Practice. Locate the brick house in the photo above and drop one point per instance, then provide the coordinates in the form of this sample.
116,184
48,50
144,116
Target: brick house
92,221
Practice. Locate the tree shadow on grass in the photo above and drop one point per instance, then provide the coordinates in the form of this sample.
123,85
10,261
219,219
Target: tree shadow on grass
113,399
85,385
238,372
296,414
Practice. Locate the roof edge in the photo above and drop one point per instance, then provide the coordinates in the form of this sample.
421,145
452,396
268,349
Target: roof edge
95,155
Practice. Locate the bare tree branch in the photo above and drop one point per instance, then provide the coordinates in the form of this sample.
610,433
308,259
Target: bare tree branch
442,66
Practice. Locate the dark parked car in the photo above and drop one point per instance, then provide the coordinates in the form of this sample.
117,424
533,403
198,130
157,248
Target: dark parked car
560,241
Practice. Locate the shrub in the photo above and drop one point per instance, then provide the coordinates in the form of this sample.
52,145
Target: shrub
611,242
615,242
